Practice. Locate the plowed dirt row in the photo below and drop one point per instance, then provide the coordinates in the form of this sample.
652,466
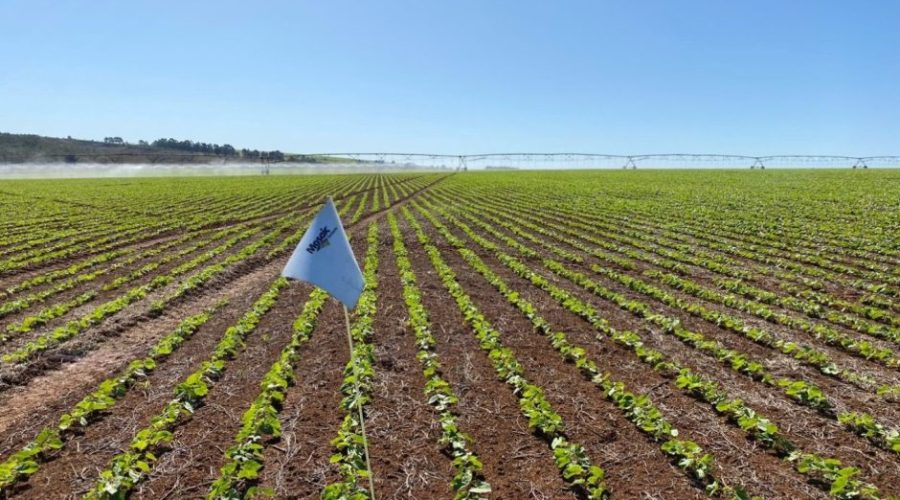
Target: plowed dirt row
810,430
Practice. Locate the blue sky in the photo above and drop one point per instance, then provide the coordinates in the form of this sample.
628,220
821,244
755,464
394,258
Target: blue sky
462,76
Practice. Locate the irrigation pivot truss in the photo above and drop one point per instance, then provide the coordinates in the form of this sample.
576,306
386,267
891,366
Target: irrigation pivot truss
592,160
406,161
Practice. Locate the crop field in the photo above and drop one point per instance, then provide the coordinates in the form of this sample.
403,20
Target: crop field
624,334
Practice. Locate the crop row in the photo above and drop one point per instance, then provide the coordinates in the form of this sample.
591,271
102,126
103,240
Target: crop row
798,390
676,256
800,352
839,480
260,422
352,454
638,409
129,468
818,331
26,462
59,309
784,268
571,458
114,306
468,481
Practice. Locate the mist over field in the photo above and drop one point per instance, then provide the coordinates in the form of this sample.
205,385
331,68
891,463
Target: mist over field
58,170
102,170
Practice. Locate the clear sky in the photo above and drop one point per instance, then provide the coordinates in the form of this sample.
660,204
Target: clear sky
461,76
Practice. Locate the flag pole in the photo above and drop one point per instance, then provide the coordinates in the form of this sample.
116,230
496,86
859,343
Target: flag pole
362,420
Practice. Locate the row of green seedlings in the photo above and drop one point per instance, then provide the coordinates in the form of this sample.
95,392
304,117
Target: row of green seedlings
652,244
822,332
800,287
361,208
350,443
215,218
29,218
638,409
18,305
376,204
408,188
99,232
674,260
394,193
828,473
401,189
815,309
574,465
570,220
98,315
799,302
804,393
40,257
313,197
511,220
239,477
112,307
871,306
130,467
514,229
389,193
66,248
822,306
799,390
835,338
781,268
860,423
45,239
260,424
385,200
26,461
804,353
110,255
773,247
197,280
819,267
468,480
515,265
22,230
786,231
810,264
42,317
140,232
879,435
51,276
826,334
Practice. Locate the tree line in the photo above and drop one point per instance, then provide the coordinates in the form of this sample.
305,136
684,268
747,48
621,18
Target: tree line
216,149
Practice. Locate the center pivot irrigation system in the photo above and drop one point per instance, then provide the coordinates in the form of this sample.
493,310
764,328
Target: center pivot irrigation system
490,161
502,161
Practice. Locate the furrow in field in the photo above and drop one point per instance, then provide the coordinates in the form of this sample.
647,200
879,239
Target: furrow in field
812,441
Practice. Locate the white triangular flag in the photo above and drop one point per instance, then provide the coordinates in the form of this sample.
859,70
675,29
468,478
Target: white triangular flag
324,258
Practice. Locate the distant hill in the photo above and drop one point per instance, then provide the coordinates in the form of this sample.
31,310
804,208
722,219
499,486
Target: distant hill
30,148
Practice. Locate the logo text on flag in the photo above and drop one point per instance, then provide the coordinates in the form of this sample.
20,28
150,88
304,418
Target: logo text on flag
321,240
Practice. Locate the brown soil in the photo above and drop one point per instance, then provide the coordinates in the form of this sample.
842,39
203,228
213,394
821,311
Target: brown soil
296,466
403,429
734,454
198,450
807,428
